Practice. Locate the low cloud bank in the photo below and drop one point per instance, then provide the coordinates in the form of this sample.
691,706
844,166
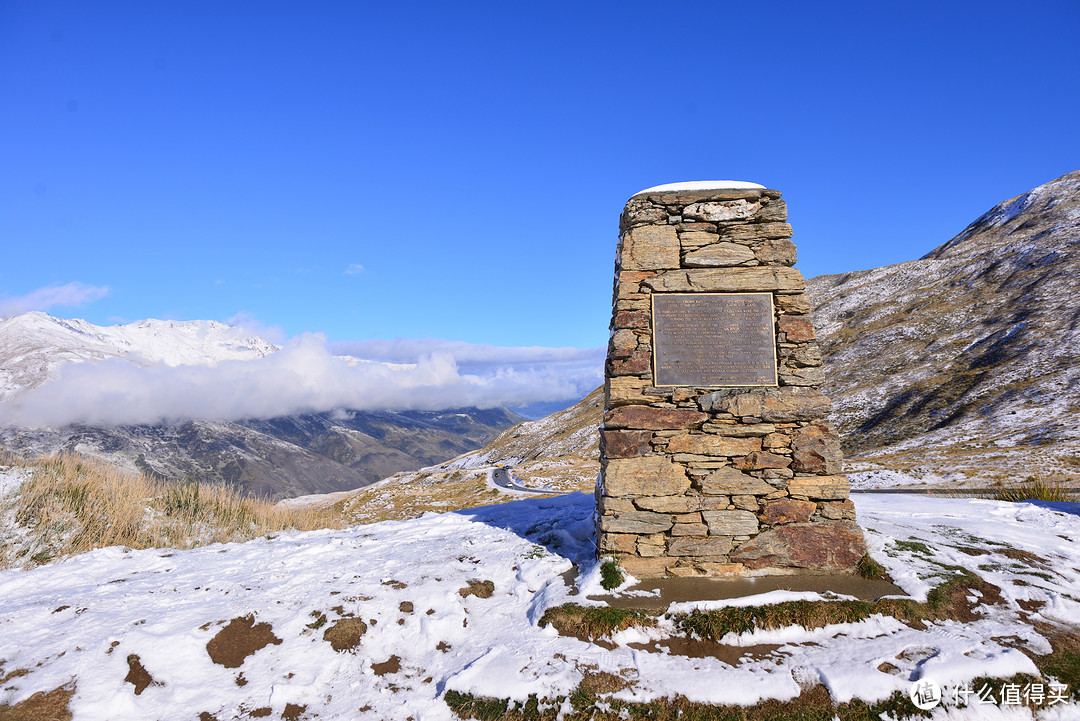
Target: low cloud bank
69,294
306,376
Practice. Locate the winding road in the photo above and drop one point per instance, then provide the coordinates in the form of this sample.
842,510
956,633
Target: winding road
505,479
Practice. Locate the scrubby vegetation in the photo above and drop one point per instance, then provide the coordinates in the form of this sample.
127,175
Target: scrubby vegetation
611,576
69,504
1034,489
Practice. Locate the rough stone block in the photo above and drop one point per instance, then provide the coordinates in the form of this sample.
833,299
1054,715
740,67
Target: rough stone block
816,449
727,280
619,542
689,529
786,510
721,210
820,488
755,232
694,239
732,482
610,506
776,252
626,444
802,376
653,419
630,319
645,567
773,212
731,523
719,254
713,445
740,430
626,390
638,362
695,546
797,327
774,405
647,476
794,303
635,522
746,503
827,546
681,504
623,342
650,247
759,460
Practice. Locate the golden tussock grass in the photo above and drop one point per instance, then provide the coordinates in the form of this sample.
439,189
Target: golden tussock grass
70,504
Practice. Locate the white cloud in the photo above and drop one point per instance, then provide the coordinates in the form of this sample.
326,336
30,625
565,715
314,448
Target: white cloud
306,377
354,268
249,323
69,294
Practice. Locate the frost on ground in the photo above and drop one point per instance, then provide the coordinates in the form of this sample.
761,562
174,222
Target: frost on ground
381,621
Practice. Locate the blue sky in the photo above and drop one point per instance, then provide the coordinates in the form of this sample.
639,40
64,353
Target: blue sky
375,171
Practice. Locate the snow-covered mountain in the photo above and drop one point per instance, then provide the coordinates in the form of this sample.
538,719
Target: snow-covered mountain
34,345
271,457
966,359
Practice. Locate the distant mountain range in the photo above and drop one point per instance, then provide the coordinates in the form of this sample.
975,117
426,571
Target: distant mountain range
274,458
961,362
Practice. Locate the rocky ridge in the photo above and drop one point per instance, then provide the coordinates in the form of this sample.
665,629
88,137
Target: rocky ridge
964,361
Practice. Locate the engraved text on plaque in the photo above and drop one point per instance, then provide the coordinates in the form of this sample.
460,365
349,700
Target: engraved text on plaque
713,339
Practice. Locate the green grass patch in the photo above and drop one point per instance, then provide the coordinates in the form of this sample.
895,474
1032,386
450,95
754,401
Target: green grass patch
611,576
914,547
718,622
870,569
588,622
813,705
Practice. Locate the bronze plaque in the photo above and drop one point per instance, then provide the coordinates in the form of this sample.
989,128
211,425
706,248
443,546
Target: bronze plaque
713,339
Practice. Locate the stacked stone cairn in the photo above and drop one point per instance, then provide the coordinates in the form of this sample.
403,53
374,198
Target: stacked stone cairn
715,481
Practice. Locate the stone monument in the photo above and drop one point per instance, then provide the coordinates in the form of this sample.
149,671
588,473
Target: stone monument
716,458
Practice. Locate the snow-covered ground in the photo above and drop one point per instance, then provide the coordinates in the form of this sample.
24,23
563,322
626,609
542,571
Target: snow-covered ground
82,620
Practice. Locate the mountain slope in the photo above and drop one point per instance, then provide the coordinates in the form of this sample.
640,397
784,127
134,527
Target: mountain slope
559,452
964,360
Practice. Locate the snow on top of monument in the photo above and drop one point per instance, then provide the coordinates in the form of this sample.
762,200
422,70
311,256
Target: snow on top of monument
703,185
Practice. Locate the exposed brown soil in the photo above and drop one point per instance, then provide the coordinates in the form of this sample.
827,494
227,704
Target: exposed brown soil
390,665
1032,606
1019,554
42,706
14,674
702,648
959,608
137,675
344,634
261,712
599,682
240,638
405,607
480,589
293,712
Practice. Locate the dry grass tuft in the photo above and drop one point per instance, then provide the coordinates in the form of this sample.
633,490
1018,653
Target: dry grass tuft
70,504
1034,489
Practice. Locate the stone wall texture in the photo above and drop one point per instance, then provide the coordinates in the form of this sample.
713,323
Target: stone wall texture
717,481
